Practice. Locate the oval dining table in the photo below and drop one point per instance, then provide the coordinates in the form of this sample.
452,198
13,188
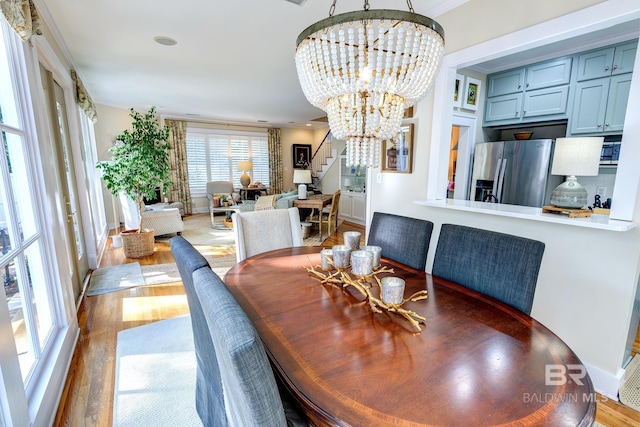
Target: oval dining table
476,362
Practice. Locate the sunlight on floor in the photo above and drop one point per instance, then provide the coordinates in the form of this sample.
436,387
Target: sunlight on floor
142,308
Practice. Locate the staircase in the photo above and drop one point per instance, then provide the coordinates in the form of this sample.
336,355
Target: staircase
323,157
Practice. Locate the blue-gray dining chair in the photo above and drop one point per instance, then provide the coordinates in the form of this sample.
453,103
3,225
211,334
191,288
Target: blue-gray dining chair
401,238
209,392
499,265
252,397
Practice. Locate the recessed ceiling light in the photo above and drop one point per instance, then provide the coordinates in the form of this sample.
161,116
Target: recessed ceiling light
308,124
166,41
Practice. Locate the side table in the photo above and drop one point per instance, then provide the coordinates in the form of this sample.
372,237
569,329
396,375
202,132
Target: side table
228,209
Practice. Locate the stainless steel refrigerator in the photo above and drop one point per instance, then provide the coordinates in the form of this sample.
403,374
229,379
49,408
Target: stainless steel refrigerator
513,172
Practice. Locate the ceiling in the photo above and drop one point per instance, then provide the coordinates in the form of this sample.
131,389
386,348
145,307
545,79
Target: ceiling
233,61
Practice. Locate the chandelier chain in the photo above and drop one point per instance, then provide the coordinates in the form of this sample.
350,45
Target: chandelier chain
332,9
410,6
366,4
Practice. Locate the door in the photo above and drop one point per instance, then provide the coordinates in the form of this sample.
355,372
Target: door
59,131
526,167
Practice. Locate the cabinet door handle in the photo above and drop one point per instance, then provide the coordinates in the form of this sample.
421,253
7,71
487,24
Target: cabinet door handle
606,68
599,125
615,67
527,84
519,86
606,124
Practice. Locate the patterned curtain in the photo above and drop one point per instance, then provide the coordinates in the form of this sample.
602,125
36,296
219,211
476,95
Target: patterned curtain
179,191
275,161
22,16
83,99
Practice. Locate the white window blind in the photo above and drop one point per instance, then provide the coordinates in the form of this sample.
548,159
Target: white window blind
213,155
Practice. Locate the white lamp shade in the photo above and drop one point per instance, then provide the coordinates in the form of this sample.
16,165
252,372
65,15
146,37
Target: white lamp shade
302,176
577,156
245,166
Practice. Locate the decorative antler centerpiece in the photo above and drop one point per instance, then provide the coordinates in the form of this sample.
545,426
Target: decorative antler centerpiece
336,275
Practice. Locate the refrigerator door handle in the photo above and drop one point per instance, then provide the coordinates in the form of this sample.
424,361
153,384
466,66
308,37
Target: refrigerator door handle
501,181
494,190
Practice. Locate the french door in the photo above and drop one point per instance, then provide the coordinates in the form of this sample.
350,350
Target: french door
59,132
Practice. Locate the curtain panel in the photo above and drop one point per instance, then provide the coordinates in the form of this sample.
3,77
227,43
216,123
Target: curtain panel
179,191
22,16
83,99
275,160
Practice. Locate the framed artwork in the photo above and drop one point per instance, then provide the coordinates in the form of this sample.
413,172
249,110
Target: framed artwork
457,91
471,94
397,153
301,156
408,113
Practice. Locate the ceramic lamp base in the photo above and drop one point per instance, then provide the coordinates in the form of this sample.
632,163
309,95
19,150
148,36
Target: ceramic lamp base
245,180
570,194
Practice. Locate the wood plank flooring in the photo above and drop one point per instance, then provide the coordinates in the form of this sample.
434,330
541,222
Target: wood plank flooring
87,398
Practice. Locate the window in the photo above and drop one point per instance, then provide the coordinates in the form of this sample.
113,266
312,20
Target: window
213,155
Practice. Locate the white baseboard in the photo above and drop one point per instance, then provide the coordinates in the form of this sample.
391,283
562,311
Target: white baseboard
604,382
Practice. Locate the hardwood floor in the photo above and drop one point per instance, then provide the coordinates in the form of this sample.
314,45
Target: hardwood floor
87,398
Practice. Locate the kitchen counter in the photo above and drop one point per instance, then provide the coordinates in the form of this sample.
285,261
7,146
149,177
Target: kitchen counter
526,212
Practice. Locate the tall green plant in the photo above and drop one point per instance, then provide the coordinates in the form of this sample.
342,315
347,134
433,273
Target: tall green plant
139,160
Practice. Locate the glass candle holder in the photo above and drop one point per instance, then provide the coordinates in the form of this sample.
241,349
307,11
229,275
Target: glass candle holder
377,253
341,256
352,239
362,263
392,291
325,255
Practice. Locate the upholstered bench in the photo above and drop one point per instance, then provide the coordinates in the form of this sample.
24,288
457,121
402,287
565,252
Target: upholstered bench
165,206
163,221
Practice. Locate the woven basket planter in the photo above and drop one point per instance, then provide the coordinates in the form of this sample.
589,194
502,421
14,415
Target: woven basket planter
137,245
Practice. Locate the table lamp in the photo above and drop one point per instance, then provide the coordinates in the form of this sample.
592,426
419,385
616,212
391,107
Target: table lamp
302,177
571,157
245,166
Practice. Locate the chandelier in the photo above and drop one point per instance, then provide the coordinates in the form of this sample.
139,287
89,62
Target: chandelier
364,68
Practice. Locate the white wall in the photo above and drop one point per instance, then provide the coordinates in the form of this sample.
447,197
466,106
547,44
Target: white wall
588,277
111,122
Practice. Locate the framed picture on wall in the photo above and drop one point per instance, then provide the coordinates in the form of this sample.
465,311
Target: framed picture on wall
471,94
457,91
301,156
397,153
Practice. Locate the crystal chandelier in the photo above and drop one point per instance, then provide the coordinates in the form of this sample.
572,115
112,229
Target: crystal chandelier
364,68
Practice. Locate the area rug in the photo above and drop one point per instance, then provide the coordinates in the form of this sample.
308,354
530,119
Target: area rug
115,278
155,382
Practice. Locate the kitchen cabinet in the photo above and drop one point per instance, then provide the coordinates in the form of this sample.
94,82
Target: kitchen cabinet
506,82
600,105
610,61
352,207
536,92
352,196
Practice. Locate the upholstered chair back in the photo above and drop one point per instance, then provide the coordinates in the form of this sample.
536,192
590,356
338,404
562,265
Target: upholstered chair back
401,238
500,265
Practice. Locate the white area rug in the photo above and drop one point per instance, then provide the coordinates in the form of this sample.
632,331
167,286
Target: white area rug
630,385
155,382
115,278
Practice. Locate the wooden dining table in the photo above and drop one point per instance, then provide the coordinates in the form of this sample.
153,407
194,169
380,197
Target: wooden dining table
476,362
315,202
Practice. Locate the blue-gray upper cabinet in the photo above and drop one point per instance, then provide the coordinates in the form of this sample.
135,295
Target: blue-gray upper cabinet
607,62
506,82
549,73
600,105
536,92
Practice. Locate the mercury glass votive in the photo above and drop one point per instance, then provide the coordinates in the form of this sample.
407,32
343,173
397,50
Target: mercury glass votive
377,253
392,290
325,255
362,263
352,239
341,256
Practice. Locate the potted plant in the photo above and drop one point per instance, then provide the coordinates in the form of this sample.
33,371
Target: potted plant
139,163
